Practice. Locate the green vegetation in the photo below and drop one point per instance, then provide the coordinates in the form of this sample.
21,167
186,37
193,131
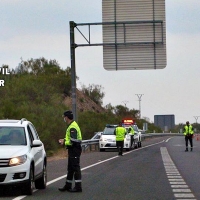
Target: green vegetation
36,89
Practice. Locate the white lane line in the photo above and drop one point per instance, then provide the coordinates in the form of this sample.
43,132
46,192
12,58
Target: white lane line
95,164
168,139
184,195
182,190
178,185
174,176
175,180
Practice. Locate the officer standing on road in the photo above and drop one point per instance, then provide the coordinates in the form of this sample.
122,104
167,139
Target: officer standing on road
132,132
120,133
188,132
72,141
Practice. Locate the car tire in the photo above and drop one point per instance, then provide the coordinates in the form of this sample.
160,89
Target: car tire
139,144
28,188
42,181
135,145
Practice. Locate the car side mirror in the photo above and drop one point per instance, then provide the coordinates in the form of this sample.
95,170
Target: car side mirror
36,143
99,133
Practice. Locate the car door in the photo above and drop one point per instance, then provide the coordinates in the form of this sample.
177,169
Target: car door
36,151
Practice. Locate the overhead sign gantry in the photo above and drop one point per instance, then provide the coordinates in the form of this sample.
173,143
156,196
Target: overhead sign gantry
134,37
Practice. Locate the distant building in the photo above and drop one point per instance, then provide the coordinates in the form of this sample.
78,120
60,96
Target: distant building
165,122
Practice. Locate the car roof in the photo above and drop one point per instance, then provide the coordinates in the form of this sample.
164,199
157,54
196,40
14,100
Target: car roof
13,122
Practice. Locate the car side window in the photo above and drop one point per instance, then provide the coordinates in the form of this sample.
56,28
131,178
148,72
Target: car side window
34,132
30,134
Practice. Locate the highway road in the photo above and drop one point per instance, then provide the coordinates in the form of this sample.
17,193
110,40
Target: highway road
160,170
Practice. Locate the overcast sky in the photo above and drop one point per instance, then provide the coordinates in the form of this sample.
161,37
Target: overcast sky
40,28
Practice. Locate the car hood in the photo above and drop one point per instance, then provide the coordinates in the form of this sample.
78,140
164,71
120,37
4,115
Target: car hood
12,151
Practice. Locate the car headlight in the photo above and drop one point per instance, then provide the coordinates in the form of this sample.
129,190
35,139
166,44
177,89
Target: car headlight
18,160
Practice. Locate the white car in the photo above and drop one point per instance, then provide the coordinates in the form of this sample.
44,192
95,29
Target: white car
108,139
22,156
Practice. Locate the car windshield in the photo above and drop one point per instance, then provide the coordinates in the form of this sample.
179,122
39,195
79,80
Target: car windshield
135,128
109,131
12,136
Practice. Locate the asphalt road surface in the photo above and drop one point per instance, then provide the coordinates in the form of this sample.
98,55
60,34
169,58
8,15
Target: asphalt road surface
160,170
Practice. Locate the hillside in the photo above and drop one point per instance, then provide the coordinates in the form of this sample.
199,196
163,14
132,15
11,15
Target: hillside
84,103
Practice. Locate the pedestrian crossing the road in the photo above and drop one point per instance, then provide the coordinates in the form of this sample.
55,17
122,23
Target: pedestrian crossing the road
179,187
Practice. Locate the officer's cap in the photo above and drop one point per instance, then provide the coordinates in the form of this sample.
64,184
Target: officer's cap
68,114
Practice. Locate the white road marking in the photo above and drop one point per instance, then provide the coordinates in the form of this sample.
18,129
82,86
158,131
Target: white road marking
168,139
184,195
178,185
174,176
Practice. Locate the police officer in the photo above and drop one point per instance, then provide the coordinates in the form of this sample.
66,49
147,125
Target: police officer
72,141
120,133
132,132
188,132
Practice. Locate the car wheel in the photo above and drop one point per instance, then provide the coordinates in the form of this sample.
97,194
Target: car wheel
41,183
139,144
28,189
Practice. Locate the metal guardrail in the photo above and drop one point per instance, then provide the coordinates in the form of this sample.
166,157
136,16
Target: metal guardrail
94,143
89,144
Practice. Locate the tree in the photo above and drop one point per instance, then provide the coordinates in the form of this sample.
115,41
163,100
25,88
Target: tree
123,111
94,92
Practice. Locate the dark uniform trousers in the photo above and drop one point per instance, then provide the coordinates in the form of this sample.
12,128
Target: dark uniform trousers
74,170
132,140
120,145
189,137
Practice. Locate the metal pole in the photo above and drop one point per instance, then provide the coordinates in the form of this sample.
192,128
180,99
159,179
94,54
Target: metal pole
73,68
125,102
196,118
139,97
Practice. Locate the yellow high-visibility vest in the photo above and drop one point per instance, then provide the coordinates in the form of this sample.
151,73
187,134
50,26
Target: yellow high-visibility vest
188,130
120,133
69,137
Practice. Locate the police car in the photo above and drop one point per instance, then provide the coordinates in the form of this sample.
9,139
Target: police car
108,139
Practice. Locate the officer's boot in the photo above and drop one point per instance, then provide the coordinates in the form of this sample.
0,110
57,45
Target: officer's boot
67,186
186,149
191,148
77,188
